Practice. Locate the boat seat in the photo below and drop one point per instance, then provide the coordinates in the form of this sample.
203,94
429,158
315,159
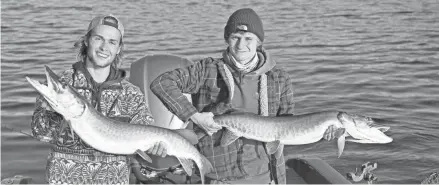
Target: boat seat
144,71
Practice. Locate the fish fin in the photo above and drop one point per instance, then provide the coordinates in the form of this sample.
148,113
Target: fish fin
279,151
188,135
228,138
144,155
340,132
272,147
206,167
187,165
340,144
383,129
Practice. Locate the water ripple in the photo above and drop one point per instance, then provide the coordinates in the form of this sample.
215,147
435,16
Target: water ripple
375,58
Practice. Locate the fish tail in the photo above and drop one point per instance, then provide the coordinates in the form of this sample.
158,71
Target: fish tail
204,166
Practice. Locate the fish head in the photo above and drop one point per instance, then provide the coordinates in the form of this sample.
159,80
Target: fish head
62,97
363,129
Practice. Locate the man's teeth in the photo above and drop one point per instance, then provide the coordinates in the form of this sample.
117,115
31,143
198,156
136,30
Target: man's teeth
102,55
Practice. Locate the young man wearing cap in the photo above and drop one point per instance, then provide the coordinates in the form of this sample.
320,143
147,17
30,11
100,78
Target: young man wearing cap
96,77
240,78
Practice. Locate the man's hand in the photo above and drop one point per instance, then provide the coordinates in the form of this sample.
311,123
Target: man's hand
330,133
158,149
206,122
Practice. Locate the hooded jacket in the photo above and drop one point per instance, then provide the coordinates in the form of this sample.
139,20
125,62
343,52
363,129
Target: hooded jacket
209,85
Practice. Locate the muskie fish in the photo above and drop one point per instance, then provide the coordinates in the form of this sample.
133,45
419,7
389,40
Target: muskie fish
113,136
300,129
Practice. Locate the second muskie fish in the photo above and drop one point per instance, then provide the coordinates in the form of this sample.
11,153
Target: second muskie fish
115,137
300,129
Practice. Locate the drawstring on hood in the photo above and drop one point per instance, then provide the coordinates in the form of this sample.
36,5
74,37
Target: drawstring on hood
112,82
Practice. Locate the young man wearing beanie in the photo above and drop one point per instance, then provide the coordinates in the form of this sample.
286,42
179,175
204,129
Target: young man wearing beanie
96,76
246,77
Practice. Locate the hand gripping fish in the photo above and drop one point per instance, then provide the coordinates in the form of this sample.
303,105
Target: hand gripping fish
300,129
113,136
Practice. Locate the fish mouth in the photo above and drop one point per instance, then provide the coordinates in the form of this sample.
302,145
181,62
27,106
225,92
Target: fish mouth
372,135
53,86
364,130
61,97
53,82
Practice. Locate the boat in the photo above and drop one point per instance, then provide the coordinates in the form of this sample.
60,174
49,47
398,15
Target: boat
167,169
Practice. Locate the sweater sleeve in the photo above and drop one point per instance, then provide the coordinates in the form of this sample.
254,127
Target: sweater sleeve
45,123
170,86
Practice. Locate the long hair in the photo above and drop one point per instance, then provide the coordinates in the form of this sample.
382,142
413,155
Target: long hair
82,50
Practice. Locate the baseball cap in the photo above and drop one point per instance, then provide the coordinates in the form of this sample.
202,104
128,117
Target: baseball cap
108,20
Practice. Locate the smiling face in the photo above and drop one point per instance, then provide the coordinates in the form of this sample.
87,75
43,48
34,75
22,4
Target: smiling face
103,45
243,45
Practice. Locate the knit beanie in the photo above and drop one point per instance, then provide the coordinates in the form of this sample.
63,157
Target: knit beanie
244,19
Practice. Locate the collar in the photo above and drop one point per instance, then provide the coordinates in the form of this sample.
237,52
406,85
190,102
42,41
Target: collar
247,67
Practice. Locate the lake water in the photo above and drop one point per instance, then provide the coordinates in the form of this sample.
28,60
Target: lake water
377,58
